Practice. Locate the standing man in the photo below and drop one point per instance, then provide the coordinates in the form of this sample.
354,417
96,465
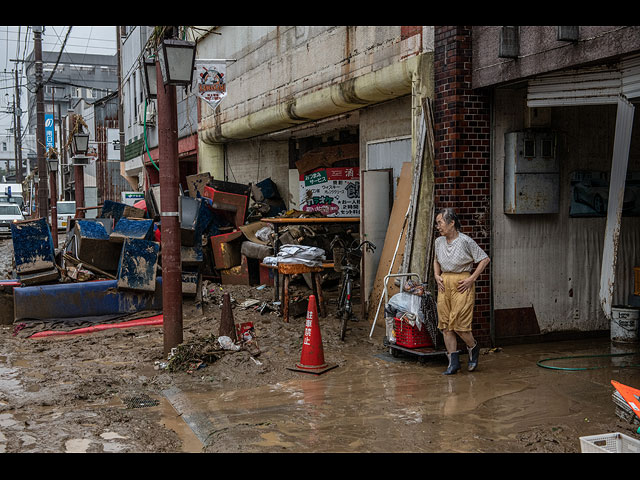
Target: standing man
455,255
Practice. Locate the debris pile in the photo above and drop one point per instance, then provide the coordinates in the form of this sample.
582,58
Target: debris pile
111,265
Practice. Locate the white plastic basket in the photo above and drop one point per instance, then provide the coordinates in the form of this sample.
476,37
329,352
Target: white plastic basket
609,443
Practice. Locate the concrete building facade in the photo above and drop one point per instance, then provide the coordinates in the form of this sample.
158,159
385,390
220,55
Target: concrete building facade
140,146
292,90
560,258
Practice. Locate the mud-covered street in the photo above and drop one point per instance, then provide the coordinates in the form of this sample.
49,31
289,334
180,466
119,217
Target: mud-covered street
111,391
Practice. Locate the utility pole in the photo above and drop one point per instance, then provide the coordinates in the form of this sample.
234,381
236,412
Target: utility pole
15,139
18,114
169,215
43,204
120,97
78,171
53,191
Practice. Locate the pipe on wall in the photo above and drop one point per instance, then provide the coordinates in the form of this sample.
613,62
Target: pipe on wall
378,86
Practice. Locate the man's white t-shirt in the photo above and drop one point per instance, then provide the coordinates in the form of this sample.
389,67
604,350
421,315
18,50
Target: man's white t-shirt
459,255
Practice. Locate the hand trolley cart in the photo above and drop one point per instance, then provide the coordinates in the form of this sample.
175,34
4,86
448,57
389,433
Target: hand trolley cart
409,339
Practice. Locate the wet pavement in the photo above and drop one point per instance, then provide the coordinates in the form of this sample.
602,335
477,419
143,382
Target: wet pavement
383,404
372,402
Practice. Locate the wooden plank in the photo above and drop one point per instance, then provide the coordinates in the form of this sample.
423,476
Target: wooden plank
310,220
415,187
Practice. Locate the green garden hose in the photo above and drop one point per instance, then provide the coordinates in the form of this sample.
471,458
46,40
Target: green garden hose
145,135
539,363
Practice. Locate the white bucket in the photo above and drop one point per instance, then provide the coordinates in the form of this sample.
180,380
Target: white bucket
624,324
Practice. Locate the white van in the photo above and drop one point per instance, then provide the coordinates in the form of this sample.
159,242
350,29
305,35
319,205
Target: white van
9,213
12,193
66,209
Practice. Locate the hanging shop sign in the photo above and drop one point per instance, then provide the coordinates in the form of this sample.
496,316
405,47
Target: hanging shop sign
334,192
211,84
49,132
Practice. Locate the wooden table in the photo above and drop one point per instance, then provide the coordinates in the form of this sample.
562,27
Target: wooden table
278,221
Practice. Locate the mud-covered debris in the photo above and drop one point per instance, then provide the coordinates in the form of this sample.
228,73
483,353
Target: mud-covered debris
184,356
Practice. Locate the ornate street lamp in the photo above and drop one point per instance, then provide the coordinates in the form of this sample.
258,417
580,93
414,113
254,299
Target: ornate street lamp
52,162
79,147
80,143
177,59
150,77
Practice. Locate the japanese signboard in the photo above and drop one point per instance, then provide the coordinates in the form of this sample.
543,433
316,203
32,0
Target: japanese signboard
50,141
113,144
335,192
211,84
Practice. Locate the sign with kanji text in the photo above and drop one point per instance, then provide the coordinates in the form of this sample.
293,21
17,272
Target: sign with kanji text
334,192
49,131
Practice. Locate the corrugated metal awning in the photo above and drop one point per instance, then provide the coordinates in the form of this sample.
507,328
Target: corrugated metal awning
631,77
586,86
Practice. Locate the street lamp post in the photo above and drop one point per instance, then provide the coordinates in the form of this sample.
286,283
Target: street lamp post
79,147
174,66
52,163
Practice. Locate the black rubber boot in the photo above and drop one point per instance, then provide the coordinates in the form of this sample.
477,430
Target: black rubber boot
474,353
454,364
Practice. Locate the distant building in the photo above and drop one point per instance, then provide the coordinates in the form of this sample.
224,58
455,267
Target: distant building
77,76
86,84
141,154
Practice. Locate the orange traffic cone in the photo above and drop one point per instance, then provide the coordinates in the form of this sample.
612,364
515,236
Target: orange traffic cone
227,325
312,358
630,395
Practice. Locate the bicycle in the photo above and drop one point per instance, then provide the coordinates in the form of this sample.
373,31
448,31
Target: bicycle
349,265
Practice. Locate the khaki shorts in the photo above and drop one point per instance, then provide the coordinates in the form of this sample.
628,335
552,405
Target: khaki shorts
455,309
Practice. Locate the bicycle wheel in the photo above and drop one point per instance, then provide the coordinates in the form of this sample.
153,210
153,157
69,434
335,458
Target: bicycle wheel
346,312
343,325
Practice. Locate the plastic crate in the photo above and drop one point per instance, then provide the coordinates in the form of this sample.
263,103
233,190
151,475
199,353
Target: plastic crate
411,337
609,443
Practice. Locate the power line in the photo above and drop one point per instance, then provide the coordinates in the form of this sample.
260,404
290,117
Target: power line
59,54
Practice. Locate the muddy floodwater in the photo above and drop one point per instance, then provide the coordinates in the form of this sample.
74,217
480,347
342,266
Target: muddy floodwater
110,391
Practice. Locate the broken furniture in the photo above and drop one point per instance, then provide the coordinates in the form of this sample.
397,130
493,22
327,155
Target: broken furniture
34,252
197,182
92,246
226,249
6,300
138,265
289,269
195,217
118,210
257,252
139,228
267,197
278,221
232,206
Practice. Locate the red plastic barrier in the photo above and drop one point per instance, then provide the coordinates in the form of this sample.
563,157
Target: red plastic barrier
156,320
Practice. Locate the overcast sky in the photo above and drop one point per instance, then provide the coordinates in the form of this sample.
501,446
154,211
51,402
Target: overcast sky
17,43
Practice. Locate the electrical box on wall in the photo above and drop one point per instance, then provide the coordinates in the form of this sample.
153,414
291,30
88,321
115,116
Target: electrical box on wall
531,173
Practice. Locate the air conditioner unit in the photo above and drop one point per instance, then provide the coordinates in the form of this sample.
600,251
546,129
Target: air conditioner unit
151,114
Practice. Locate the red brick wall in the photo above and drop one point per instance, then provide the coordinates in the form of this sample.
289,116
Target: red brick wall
462,174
